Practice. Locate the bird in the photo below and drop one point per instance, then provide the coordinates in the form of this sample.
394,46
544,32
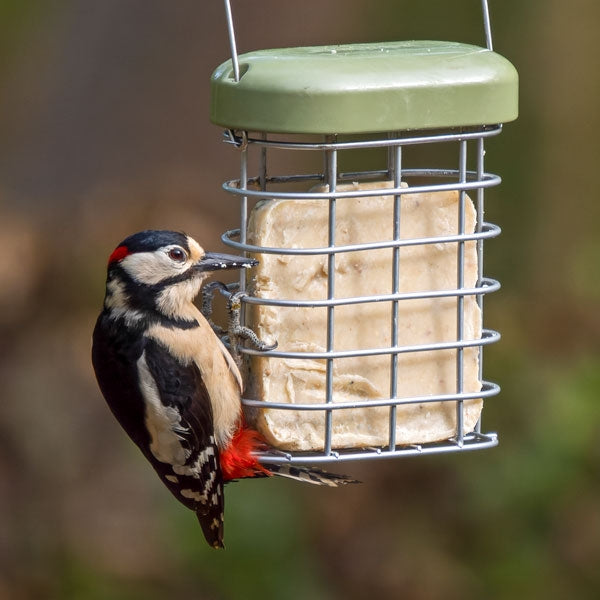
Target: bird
170,381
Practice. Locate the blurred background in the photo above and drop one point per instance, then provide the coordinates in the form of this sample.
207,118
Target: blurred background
104,130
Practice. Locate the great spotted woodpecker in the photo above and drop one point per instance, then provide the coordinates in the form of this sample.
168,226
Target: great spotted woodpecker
169,380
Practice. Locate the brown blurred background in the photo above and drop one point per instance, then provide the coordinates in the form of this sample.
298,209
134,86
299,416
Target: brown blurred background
104,130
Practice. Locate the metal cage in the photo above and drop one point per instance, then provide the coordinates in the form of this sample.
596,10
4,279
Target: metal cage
463,172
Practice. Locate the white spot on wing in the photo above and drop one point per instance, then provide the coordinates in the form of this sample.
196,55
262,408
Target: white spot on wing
201,497
195,468
197,496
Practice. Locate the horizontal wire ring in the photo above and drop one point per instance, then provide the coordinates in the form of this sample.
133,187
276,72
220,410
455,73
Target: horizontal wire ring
489,336
488,180
488,389
471,441
358,144
489,231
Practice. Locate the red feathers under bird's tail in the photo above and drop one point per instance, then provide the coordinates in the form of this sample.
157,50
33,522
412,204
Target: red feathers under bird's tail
239,461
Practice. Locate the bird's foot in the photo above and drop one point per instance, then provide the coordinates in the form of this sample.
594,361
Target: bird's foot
208,294
237,331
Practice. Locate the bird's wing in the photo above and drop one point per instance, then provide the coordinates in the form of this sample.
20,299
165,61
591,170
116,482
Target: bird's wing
183,449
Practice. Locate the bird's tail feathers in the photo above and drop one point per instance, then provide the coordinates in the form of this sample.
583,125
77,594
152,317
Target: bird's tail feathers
212,528
310,475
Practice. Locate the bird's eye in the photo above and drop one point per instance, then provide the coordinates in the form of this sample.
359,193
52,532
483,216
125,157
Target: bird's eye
177,254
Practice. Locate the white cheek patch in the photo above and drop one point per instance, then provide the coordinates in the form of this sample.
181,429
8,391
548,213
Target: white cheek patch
175,299
163,422
151,268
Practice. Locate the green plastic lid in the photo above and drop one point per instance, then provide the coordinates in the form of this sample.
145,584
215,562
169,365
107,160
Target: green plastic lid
365,88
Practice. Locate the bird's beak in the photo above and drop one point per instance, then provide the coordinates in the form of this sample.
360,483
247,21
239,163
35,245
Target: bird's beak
211,261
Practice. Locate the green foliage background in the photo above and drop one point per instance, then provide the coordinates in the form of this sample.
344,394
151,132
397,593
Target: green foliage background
104,130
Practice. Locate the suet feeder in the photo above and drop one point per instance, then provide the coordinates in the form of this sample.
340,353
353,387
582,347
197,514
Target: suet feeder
371,277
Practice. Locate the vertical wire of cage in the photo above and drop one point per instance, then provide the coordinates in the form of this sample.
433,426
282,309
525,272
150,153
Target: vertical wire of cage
262,143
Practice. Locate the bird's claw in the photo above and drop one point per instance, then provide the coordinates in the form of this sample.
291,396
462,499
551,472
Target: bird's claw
235,330
208,293
238,331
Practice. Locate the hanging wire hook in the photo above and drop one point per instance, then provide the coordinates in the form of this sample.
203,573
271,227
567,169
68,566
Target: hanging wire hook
487,24
239,141
232,44
233,48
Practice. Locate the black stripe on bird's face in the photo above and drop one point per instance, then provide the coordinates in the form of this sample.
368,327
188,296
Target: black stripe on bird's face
174,295
209,262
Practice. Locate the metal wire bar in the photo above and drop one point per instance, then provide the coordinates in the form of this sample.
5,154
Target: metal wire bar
282,179
232,45
366,175
331,182
424,138
487,27
396,171
354,175
472,441
243,209
489,180
487,286
362,176
488,390
460,299
262,177
479,224
489,336
490,231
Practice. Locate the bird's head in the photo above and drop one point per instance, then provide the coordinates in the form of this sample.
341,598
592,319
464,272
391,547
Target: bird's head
157,270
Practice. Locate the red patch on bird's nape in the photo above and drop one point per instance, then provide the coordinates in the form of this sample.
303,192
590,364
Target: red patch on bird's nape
118,254
238,459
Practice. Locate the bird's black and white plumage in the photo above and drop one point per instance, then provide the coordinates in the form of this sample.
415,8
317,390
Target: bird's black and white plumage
169,380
